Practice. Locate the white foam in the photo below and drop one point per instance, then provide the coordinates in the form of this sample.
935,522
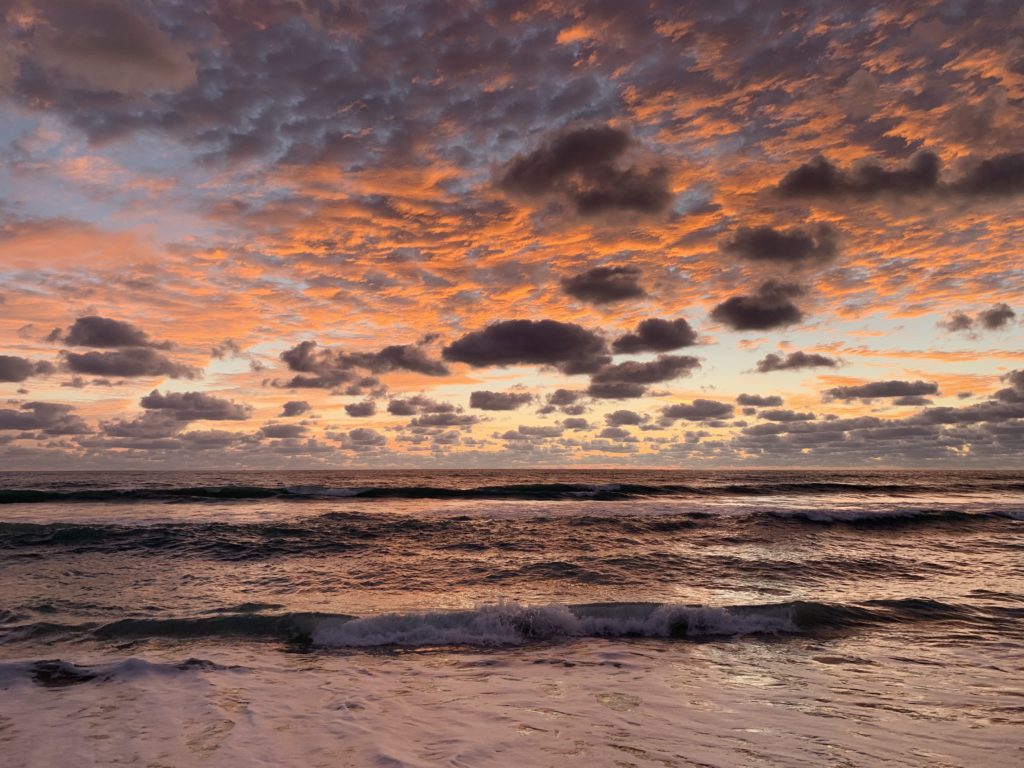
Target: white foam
593,703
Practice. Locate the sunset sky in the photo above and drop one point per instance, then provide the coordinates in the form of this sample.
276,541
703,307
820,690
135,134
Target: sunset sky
302,233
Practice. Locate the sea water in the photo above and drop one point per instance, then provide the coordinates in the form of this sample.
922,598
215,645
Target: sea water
486,618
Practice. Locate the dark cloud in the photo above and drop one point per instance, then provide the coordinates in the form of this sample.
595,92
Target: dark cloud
418,404
957,321
568,401
876,389
128,362
444,419
998,176
329,368
761,401
529,432
698,410
295,408
820,178
994,318
1002,175
566,346
770,307
616,390
361,410
997,316
49,418
498,401
283,431
151,425
590,168
105,333
780,414
656,335
604,285
1013,393
794,361
616,433
195,406
107,47
561,397
795,246
361,439
912,400
624,418
576,424
629,379
14,368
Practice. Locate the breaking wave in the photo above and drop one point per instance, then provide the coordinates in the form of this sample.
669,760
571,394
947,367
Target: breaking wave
514,624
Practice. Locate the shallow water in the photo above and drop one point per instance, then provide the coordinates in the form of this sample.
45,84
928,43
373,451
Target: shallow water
400,618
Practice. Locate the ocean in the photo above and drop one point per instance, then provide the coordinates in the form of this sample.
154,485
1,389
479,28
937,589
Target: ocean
496,618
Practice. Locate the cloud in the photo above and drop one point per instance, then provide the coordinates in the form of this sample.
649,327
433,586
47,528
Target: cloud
49,418
529,432
794,361
283,431
877,389
14,368
322,367
911,400
566,346
994,318
795,246
295,408
568,401
418,404
998,176
498,401
760,401
104,332
629,379
361,439
957,321
563,397
108,46
604,285
135,353
151,425
656,335
361,410
770,307
699,410
819,178
624,418
1015,392
129,362
444,419
195,406
784,415
589,169
997,316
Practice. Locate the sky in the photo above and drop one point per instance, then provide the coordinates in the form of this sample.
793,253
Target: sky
498,233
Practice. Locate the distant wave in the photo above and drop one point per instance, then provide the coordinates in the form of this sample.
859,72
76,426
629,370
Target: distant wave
513,624
521,491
